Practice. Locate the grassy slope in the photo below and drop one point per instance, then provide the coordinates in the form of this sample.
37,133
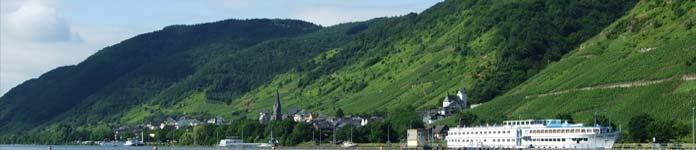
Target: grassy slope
250,66
418,65
614,56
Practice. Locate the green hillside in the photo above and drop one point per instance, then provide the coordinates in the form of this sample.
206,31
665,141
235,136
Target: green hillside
210,91
642,63
124,75
486,47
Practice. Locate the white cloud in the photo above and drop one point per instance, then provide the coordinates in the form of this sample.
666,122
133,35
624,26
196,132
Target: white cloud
35,39
39,35
37,22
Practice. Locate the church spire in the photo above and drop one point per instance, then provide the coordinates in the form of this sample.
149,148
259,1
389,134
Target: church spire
277,113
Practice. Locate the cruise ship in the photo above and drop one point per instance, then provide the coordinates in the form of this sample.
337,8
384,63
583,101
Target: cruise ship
551,133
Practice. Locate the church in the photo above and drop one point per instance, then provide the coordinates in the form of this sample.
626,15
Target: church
453,104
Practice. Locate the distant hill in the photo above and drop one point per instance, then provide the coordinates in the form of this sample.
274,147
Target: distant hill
127,74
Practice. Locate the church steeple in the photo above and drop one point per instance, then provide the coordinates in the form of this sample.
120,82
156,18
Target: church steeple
277,113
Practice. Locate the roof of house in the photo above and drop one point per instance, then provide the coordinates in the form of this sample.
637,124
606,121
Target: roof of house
451,98
440,129
293,111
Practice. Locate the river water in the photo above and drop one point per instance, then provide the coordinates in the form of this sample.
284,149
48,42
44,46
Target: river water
82,147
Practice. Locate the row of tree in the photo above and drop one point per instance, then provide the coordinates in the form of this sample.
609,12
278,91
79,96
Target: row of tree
286,132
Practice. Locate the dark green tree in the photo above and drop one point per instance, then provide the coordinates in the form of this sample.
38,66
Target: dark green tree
565,116
466,118
639,127
339,113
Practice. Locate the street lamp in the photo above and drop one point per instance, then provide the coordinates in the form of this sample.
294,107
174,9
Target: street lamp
693,125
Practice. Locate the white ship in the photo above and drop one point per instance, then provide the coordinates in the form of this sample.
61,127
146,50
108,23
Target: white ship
133,142
551,133
234,141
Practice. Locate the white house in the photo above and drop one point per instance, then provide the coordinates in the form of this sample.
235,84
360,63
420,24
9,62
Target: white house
416,138
264,117
453,104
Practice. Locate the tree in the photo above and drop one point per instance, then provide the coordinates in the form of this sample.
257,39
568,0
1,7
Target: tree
565,116
300,133
604,121
638,127
466,118
186,139
339,113
666,131
100,133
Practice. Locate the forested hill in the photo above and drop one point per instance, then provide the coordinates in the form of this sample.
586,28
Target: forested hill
128,73
412,62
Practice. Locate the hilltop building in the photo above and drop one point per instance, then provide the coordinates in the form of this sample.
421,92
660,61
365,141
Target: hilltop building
453,104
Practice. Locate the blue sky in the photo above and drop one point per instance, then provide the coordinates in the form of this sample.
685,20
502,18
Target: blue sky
39,35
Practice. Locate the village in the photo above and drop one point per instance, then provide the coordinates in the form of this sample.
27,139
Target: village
329,125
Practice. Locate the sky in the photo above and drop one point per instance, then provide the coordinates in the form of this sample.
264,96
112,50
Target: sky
39,35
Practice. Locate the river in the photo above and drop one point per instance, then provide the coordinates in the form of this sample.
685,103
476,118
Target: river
83,147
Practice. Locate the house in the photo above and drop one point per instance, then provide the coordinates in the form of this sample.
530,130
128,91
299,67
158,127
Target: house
216,121
168,122
292,112
323,125
430,116
440,132
182,122
302,116
453,104
430,119
416,138
264,117
150,126
194,122
353,121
